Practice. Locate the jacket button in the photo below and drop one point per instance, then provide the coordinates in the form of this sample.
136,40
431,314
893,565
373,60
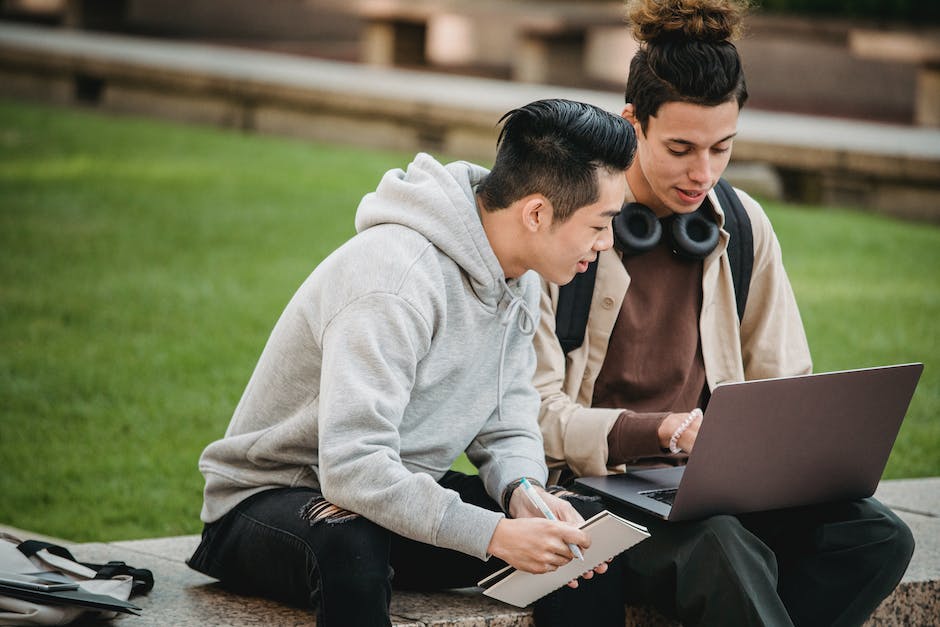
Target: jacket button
608,302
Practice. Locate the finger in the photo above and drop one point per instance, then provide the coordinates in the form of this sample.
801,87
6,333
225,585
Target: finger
573,535
573,583
565,512
600,569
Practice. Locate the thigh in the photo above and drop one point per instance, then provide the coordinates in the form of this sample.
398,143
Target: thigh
267,547
837,560
421,566
598,601
710,571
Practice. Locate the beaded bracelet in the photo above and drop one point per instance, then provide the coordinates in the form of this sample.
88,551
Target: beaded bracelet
674,440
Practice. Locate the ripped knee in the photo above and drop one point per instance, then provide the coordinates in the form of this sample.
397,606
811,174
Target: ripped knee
318,509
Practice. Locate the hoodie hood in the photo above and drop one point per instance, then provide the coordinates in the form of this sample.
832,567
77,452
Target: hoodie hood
439,202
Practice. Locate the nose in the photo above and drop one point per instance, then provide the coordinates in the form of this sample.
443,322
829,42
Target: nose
700,168
605,240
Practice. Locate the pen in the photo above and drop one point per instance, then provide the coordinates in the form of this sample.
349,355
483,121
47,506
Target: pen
539,503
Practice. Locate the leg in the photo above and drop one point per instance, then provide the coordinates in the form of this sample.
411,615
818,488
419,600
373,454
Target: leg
426,568
838,561
708,572
598,601
266,547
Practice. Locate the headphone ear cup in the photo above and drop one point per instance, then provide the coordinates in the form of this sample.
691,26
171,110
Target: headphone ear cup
693,235
636,229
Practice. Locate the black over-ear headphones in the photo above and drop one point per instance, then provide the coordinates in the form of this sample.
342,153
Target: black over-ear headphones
692,236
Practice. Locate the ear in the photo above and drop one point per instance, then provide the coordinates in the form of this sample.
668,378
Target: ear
536,213
629,113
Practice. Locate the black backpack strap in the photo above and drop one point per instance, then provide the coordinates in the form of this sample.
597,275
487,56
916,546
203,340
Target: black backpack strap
574,304
740,244
143,578
29,548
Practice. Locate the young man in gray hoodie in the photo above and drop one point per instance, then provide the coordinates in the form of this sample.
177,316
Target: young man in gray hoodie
406,347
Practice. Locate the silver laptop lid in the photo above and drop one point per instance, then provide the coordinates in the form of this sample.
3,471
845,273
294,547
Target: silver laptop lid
795,441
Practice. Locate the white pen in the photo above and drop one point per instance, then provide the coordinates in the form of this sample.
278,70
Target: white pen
539,503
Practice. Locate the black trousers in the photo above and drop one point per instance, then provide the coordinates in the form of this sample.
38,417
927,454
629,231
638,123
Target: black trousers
828,564
346,571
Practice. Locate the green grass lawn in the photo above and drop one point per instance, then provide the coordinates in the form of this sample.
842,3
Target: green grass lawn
143,264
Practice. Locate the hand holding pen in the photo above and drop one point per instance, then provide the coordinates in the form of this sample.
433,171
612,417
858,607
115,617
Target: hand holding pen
536,500
531,541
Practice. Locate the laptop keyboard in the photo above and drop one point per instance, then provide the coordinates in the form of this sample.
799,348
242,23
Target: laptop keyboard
667,495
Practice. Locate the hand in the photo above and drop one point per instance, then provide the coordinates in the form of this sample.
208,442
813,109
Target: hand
600,569
671,423
536,545
521,507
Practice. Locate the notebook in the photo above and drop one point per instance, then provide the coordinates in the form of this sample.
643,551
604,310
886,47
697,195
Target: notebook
610,536
776,443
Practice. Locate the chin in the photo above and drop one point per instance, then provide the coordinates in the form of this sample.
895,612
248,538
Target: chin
564,280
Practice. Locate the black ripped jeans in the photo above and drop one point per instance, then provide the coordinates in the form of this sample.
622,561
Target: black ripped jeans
346,571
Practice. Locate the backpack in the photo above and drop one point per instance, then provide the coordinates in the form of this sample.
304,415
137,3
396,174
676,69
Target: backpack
574,298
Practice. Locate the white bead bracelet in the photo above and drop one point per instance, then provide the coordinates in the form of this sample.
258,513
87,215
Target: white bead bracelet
674,440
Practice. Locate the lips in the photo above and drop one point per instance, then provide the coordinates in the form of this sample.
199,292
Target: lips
584,263
691,196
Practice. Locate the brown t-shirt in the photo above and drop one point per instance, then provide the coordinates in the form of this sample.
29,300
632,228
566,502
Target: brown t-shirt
654,362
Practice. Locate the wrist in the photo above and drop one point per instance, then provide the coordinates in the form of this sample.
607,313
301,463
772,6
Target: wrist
674,447
511,488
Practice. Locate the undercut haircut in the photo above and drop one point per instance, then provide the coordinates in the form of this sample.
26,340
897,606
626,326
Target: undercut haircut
556,147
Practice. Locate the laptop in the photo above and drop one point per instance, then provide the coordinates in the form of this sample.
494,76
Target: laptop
777,443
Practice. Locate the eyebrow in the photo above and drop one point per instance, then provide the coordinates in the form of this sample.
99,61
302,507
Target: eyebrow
685,142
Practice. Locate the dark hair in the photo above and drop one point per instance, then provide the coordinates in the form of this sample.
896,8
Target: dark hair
554,147
685,54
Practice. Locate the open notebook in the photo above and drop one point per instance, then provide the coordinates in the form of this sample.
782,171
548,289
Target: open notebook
610,536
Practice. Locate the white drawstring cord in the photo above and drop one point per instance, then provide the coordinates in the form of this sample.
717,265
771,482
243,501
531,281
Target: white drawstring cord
526,324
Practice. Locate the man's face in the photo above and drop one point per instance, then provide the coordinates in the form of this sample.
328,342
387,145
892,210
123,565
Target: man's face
683,153
567,248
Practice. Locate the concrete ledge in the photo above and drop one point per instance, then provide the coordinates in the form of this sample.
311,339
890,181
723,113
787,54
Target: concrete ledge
534,43
894,169
183,597
919,47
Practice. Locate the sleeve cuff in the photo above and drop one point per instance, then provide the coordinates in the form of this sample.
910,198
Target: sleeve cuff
634,436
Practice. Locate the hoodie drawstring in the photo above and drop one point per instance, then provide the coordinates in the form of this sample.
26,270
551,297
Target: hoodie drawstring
525,322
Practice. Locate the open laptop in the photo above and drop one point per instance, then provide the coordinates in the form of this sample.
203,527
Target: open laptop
776,443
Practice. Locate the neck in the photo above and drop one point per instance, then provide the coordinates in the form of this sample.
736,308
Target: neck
504,240
643,192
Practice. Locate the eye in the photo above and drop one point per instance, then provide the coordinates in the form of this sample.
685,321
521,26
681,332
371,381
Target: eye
720,149
679,151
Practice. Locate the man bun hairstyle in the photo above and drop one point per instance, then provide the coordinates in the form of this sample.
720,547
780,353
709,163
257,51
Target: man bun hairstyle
555,147
709,20
686,54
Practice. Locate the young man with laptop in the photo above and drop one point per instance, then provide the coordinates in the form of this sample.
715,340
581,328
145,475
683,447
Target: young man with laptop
663,334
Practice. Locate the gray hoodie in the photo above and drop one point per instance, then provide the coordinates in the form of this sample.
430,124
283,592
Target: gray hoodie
404,348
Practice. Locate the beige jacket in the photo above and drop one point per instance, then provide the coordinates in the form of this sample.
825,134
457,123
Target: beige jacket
769,342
